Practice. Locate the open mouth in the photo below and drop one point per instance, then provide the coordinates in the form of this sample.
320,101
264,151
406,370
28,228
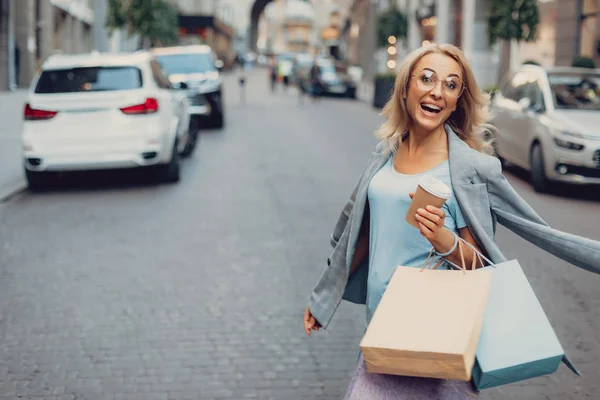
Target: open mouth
430,108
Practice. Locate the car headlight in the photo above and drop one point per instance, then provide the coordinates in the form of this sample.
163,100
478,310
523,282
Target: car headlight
567,144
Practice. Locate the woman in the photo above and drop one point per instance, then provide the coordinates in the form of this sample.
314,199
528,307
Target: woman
435,120
273,73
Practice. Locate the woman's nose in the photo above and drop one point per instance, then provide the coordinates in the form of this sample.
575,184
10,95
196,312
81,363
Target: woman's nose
437,90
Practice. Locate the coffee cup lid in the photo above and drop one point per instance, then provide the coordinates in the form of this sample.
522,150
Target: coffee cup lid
435,187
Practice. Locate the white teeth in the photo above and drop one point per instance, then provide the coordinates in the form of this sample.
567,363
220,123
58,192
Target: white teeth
433,106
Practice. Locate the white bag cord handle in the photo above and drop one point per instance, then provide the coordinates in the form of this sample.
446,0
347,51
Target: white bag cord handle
477,256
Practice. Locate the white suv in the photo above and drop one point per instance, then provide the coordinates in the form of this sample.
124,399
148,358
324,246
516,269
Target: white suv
103,111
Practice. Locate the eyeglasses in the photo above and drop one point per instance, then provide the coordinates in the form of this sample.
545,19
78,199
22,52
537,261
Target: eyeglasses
427,80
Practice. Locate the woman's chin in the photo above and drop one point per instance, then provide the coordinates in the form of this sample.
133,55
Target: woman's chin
429,124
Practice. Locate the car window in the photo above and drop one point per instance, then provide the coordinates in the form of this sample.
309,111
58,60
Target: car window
505,86
536,95
517,87
186,63
89,79
327,69
159,77
575,90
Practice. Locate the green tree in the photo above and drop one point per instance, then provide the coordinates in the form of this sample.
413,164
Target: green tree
510,20
154,21
391,23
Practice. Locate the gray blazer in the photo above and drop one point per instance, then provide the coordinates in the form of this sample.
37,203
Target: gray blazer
485,198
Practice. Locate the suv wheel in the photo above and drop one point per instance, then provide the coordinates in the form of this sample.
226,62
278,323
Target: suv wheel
192,140
170,172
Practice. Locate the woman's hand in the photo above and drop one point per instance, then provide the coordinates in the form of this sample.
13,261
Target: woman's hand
430,220
310,323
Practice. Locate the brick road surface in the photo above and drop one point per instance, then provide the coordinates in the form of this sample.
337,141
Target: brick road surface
115,288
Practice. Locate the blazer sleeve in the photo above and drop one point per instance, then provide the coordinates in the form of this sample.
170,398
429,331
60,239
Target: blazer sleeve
514,213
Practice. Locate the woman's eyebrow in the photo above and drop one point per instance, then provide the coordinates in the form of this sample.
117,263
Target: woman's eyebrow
432,70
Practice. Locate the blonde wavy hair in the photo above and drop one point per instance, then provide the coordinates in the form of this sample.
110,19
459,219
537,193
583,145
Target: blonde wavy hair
470,119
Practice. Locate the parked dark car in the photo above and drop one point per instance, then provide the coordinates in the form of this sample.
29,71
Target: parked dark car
334,80
196,69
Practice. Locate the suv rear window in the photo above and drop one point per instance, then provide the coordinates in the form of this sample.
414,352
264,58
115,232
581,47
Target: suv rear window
186,63
89,79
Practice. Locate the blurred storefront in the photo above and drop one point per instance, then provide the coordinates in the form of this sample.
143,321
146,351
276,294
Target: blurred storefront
207,22
330,34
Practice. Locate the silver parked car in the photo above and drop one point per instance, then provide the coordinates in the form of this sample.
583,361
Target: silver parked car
548,122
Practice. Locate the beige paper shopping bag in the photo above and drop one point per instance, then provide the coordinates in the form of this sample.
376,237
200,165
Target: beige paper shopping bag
428,324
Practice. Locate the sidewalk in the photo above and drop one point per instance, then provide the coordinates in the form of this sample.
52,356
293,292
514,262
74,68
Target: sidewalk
12,177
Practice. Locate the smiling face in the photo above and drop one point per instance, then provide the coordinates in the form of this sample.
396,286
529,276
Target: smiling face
433,91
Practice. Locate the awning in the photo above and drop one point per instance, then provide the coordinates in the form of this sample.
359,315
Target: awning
193,22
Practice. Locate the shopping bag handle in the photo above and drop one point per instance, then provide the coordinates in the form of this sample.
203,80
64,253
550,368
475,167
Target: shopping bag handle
478,256
431,259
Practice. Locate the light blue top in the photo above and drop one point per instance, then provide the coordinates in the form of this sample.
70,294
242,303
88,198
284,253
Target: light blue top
393,241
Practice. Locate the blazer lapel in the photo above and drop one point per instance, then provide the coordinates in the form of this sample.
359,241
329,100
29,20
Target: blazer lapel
471,193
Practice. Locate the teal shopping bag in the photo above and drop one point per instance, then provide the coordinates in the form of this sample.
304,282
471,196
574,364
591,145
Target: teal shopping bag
517,341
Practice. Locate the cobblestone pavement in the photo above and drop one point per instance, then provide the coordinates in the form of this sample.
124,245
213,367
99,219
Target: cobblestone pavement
112,287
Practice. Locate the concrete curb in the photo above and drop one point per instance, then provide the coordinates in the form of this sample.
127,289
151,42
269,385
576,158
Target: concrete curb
11,190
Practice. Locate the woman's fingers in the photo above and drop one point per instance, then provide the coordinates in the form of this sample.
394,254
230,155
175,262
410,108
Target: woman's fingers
426,223
307,318
437,211
436,218
425,231
310,323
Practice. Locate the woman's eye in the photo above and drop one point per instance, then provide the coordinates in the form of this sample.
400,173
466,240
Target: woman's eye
451,85
426,79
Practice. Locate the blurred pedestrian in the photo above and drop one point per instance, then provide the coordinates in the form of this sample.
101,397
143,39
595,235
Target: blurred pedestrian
315,81
436,119
273,73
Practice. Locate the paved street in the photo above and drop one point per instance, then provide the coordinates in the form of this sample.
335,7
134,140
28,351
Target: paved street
115,288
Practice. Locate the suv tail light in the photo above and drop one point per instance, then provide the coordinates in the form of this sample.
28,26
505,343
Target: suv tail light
148,107
32,114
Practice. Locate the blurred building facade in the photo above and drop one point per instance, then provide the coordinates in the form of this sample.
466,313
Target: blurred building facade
543,49
328,21
32,30
104,41
286,26
460,22
579,33
207,22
